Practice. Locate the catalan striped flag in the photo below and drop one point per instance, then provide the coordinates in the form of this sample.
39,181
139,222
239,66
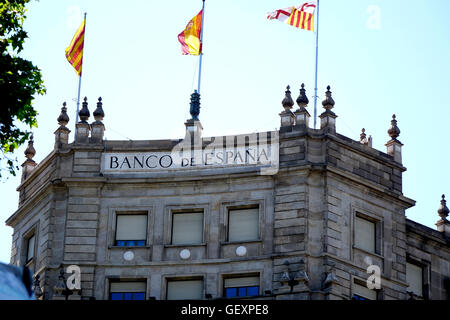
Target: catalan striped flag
301,17
190,36
74,52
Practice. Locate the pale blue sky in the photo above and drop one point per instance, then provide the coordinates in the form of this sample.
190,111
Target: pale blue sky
133,61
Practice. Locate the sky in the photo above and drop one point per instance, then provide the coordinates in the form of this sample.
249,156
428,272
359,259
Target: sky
380,57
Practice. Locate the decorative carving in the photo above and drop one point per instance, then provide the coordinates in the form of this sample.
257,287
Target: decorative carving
287,102
195,105
84,112
394,131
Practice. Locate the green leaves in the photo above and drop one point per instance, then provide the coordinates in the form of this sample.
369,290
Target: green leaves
20,82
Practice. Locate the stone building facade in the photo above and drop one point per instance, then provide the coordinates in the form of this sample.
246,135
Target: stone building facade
311,214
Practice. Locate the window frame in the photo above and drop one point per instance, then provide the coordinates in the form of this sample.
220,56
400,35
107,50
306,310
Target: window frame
363,283
188,208
378,233
133,210
126,280
426,279
224,277
32,231
167,279
27,251
227,235
236,205
131,213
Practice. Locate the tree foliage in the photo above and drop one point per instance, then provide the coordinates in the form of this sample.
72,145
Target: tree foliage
20,81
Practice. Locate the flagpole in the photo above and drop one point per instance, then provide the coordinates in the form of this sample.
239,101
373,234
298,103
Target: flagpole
79,81
201,46
317,56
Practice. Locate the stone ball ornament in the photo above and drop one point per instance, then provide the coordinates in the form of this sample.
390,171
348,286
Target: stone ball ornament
128,255
185,254
241,251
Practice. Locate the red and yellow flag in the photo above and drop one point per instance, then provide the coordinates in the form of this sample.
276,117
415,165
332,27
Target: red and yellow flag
190,37
74,52
301,17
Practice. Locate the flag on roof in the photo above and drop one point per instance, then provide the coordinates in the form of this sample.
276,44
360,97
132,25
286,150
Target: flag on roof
301,17
190,36
74,52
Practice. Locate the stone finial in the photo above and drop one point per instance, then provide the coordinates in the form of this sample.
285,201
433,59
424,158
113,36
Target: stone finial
328,117
84,112
195,105
287,102
302,100
328,103
363,137
29,164
30,151
394,131
443,210
63,118
62,133
287,117
97,127
301,114
394,146
99,114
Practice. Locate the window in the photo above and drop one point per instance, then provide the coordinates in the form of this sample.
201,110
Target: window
361,292
187,228
131,230
127,290
241,287
30,248
414,278
365,234
184,289
243,224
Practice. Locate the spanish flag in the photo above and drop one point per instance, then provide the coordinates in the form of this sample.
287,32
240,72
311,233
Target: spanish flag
190,37
74,52
301,17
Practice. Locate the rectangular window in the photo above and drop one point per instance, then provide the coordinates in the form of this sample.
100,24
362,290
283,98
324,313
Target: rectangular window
365,234
361,292
414,278
30,248
241,287
133,290
184,289
131,230
243,224
187,228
